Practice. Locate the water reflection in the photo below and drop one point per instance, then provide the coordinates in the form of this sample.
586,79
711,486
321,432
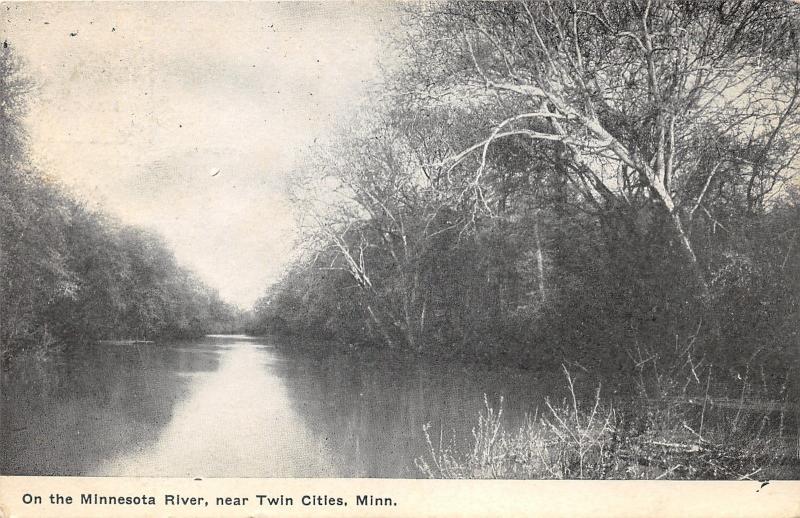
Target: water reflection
59,417
372,413
236,423
236,406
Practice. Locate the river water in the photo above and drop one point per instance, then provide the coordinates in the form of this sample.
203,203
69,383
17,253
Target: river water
225,406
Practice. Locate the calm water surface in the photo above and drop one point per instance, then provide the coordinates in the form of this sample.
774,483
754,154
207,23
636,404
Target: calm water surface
238,406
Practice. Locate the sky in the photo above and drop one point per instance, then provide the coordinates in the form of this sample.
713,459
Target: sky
137,106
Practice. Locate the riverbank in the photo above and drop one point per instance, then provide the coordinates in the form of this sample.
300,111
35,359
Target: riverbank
656,422
470,358
363,402
654,439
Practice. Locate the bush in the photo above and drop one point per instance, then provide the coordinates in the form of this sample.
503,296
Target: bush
663,440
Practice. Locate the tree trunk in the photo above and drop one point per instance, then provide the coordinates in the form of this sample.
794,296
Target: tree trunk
690,255
410,327
539,259
381,328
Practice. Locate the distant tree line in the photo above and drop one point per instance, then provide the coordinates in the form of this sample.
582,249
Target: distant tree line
69,274
592,181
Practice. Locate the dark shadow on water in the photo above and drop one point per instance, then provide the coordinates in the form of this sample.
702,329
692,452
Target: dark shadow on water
370,411
63,415
252,407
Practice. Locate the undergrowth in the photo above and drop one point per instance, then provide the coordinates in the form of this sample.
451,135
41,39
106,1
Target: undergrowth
667,432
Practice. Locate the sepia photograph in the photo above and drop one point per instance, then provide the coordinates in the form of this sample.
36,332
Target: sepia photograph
541,240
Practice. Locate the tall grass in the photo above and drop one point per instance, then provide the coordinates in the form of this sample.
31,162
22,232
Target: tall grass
663,435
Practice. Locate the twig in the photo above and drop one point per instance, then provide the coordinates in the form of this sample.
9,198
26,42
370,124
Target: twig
747,477
705,400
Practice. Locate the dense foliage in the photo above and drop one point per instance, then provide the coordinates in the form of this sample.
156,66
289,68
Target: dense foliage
70,274
599,182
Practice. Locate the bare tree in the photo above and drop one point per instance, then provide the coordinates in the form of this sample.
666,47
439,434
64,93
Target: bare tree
646,100
370,198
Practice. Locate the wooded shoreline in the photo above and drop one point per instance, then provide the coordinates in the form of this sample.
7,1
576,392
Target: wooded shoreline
611,189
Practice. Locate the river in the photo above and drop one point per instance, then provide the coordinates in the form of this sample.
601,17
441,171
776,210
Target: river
225,406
